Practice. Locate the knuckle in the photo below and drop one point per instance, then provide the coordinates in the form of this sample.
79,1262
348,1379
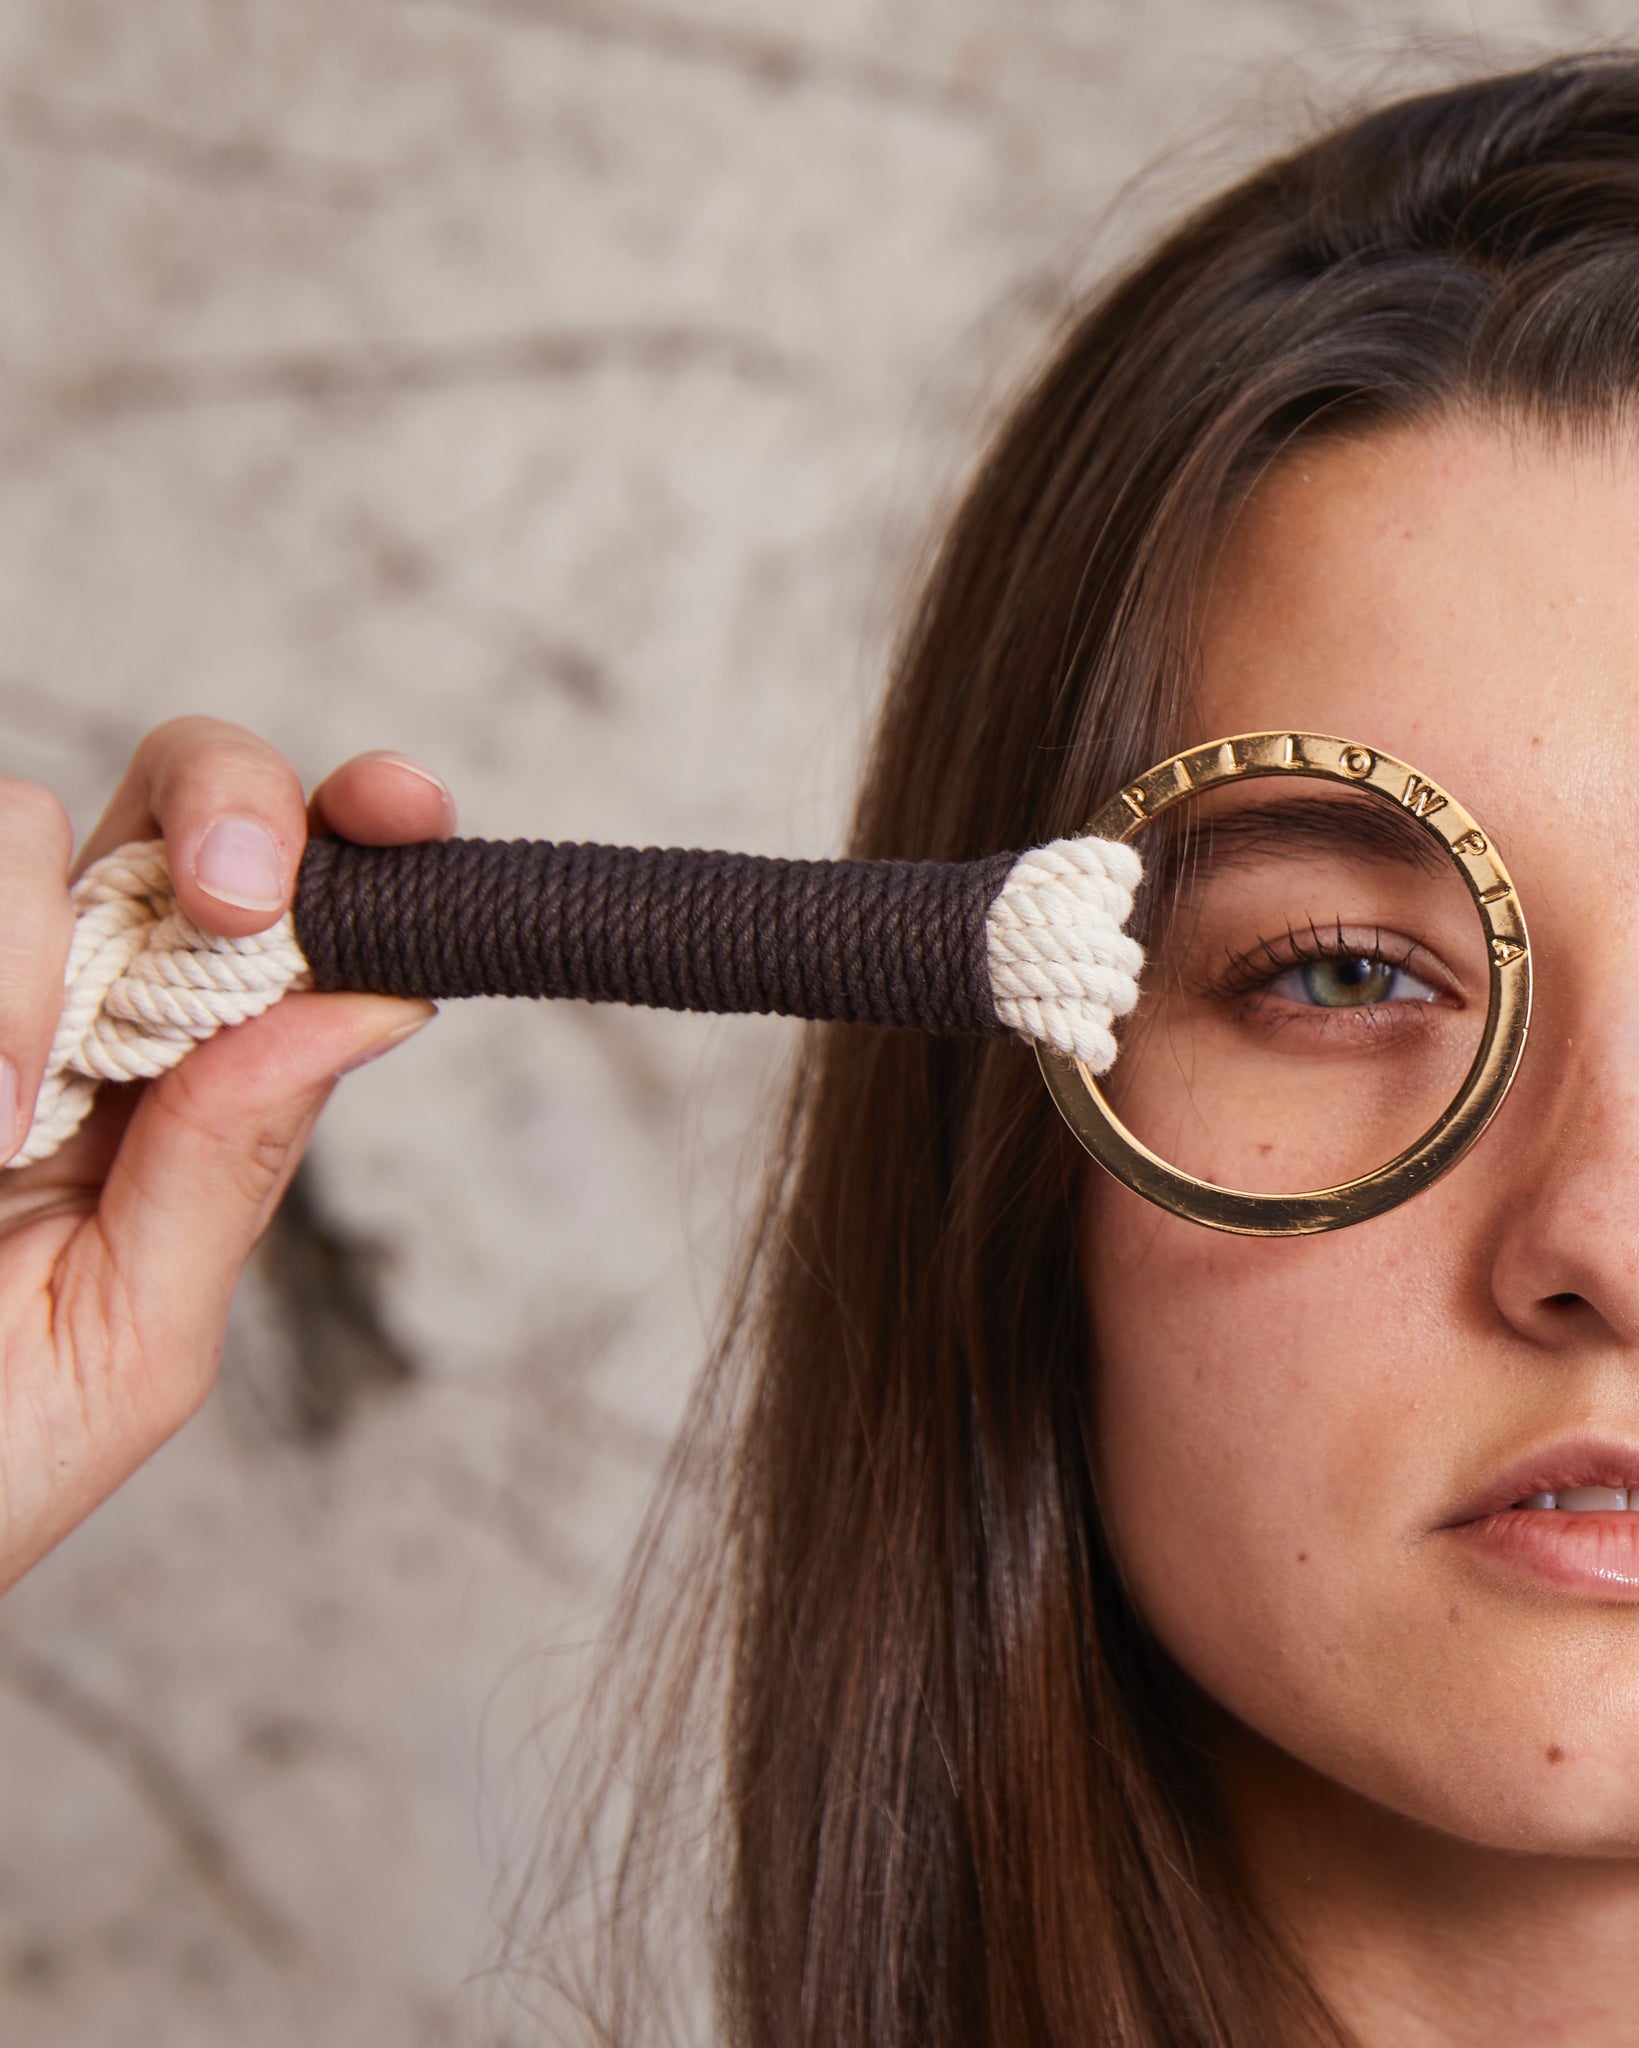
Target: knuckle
160,743
184,725
253,1161
230,760
255,1168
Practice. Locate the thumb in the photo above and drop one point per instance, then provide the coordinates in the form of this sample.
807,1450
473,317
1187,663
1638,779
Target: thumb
209,1150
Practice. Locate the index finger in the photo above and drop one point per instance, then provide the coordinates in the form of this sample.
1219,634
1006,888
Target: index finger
231,812
382,799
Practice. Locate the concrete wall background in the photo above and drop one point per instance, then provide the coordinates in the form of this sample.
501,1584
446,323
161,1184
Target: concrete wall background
562,391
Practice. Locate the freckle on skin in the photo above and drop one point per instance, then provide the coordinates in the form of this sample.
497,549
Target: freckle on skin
1555,1754
1303,1557
1455,1614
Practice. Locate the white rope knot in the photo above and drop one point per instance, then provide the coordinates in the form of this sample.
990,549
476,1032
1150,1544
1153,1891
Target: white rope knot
143,985
1061,968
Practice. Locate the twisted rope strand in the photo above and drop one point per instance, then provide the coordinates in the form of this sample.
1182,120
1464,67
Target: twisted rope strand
143,985
1061,968
1031,945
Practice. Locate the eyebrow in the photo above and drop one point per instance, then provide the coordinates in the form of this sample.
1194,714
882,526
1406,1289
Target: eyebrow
1353,827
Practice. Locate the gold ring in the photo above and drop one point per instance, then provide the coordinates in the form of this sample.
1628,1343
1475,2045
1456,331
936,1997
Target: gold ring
1508,1009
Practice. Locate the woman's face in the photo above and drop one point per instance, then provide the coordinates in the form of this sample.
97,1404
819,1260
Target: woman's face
1300,1438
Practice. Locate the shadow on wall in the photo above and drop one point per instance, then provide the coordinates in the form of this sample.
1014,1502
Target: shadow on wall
327,1343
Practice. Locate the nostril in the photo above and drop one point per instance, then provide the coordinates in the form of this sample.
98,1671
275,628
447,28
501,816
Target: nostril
1563,1301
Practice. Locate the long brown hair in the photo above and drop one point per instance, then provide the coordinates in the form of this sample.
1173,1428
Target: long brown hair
957,1799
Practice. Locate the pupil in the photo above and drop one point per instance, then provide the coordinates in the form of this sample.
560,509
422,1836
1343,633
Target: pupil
1352,980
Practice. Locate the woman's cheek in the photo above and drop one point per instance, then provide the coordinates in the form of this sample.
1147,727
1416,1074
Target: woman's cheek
1230,1456
1272,1454
1260,1435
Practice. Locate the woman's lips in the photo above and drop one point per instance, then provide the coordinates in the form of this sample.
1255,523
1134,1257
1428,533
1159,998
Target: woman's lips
1581,1547
1593,1553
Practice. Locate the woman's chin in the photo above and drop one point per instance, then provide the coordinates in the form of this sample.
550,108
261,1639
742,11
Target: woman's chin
1577,1797
1522,1736
1507,1755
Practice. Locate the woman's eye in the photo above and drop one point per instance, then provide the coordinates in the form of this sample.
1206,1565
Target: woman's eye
1349,981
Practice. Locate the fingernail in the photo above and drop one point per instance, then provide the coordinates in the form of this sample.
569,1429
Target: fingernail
10,1136
238,863
386,1044
414,767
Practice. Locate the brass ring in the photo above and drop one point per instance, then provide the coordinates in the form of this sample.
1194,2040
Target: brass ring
1508,1010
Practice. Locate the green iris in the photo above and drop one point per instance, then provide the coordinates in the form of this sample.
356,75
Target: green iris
1348,982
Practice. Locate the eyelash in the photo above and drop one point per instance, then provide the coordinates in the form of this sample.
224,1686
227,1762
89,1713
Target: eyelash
1253,971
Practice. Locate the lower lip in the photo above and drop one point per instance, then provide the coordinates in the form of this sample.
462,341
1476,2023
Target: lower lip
1593,1554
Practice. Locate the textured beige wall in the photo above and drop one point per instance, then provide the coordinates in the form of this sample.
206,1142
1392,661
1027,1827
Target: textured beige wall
561,391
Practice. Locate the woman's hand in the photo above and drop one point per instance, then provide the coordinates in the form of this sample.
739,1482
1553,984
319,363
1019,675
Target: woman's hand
120,1253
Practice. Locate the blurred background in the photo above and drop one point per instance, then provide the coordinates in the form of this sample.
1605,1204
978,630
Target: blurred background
566,393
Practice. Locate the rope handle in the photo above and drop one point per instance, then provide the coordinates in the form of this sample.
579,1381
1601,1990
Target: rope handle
1027,943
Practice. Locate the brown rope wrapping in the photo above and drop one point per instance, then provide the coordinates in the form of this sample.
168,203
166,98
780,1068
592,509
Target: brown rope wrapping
862,942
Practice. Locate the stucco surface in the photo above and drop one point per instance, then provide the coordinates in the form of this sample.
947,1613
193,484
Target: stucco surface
564,392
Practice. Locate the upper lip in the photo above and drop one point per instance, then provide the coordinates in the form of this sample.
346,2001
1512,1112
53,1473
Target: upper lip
1573,1461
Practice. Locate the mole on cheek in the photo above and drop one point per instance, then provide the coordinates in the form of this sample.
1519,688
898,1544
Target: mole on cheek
1555,1754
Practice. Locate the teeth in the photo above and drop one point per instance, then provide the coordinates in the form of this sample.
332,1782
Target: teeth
1585,1500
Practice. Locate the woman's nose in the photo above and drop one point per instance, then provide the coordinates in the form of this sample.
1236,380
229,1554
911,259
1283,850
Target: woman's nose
1564,1151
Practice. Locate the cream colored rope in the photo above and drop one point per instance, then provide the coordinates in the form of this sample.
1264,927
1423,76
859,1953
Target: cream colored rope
1061,968
143,984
